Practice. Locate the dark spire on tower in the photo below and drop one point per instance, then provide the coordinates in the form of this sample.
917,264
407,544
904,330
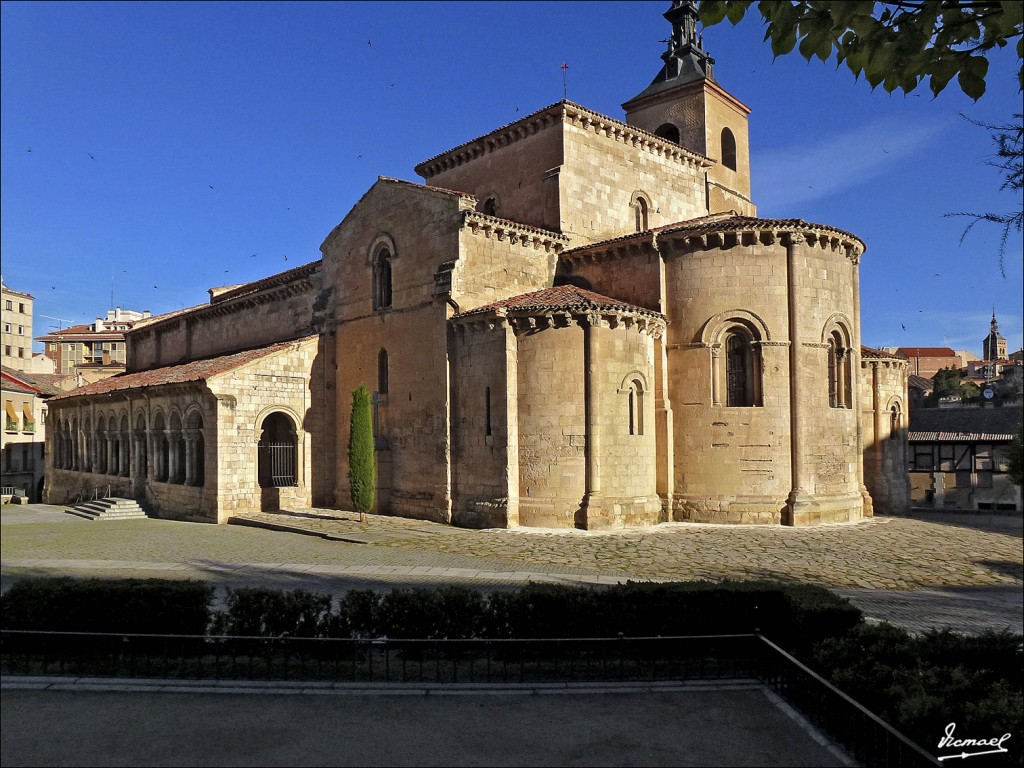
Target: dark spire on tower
685,58
993,347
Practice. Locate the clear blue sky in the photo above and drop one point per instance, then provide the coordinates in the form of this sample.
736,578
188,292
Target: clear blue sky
290,111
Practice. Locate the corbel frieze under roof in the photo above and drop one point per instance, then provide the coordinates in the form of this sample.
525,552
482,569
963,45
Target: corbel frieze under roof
566,112
485,225
528,321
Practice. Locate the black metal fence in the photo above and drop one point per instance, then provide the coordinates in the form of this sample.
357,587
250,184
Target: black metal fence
867,738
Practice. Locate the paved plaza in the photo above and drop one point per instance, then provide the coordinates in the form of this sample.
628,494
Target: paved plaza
962,571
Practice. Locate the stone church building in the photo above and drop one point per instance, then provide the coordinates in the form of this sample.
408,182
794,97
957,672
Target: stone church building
577,321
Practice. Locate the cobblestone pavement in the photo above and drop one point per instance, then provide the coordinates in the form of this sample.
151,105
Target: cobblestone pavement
959,570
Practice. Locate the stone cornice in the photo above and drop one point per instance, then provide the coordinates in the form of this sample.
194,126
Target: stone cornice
565,112
502,229
228,306
765,235
522,320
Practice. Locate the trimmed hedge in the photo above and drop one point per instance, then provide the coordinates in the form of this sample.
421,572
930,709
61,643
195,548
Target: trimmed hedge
134,606
793,615
921,684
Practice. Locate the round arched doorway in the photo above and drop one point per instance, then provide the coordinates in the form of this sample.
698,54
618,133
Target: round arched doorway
277,452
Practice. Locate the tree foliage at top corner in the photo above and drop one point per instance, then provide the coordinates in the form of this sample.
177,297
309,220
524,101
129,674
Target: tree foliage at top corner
893,44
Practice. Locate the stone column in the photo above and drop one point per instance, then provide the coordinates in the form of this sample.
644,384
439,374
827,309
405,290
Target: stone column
841,369
108,466
716,374
172,456
190,437
126,454
868,508
592,410
151,451
800,508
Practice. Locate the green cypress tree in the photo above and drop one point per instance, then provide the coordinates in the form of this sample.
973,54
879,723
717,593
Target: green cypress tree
360,453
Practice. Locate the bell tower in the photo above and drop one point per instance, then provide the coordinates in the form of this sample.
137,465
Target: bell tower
994,345
686,105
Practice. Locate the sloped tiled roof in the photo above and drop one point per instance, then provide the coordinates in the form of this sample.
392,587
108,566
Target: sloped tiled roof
268,282
561,297
962,425
18,293
709,224
574,110
43,383
431,187
928,352
196,370
920,382
12,384
716,222
871,352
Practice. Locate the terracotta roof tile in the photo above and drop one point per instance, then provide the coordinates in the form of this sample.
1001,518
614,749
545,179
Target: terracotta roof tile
43,383
18,293
871,352
964,424
709,224
431,187
920,382
12,384
197,370
421,168
717,222
928,352
561,297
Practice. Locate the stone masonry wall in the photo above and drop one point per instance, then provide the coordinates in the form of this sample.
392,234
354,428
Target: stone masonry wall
700,110
516,176
414,449
634,277
599,176
278,383
485,446
883,384
732,464
552,426
627,462
831,460
239,324
493,266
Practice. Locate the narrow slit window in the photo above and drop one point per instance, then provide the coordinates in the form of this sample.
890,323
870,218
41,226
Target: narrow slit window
487,411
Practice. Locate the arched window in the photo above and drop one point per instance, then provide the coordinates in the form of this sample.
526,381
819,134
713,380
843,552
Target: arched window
490,207
635,405
742,369
382,278
277,452
668,131
382,372
640,209
728,149
895,421
838,371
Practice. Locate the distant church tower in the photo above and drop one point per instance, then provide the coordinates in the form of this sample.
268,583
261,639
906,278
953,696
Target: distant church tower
993,346
684,104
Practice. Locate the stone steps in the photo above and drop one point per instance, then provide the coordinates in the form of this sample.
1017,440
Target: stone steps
112,508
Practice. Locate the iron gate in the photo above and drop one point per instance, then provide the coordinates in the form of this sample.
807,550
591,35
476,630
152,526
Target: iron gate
277,464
